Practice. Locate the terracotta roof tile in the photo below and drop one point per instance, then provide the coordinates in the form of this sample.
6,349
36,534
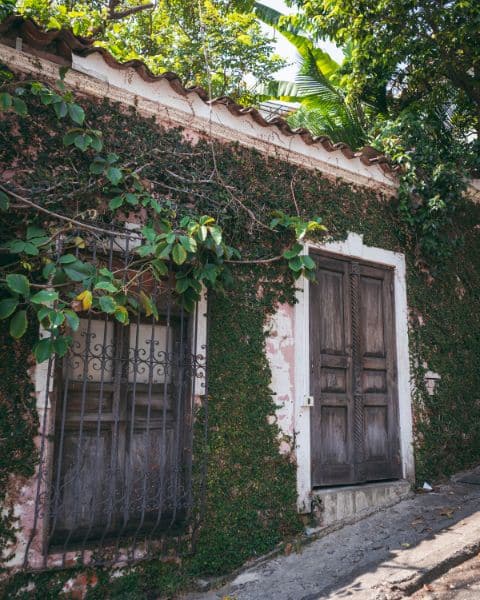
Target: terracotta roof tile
62,43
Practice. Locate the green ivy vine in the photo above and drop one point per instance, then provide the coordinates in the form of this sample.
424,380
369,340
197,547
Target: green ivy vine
53,285
250,488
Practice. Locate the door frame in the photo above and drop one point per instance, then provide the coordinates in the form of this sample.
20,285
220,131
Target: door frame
352,247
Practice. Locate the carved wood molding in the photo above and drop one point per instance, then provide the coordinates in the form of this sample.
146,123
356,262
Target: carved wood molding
358,418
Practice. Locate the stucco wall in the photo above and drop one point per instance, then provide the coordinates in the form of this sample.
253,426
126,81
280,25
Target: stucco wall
92,76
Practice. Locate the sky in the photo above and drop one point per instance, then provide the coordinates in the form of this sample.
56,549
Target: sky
286,50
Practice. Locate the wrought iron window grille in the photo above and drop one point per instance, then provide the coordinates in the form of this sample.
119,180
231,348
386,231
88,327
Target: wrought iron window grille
121,414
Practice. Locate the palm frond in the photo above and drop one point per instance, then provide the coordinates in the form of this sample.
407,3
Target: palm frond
339,127
325,109
276,19
286,91
289,28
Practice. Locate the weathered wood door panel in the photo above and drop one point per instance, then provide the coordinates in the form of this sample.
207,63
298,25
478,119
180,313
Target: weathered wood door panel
331,374
354,429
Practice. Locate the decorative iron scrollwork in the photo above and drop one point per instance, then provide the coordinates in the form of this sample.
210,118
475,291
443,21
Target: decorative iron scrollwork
115,470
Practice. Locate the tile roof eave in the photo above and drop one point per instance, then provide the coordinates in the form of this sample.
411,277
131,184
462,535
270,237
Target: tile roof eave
63,43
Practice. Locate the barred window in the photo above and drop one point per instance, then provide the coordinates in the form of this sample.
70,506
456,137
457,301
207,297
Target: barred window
121,444
118,418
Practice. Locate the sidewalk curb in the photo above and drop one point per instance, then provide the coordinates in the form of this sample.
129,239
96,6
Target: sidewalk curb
418,581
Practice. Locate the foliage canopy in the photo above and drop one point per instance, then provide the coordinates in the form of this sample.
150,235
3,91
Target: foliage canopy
325,108
171,35
405,52
411,70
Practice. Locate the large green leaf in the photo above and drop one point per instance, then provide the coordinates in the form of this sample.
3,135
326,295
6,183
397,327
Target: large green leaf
296,264
19,106
67,259
7,307
182,285
308,262
43,349
61,344
37,233
5,100
216,234
61,109
77,270
293,251
274,18
18,324
18,284
108,304
77,114
179,254
106,286
72,319
114,175
188,243
44,297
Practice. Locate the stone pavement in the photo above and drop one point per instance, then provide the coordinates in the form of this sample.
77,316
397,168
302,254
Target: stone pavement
385,556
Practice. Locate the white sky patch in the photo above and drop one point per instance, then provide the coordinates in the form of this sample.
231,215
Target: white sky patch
286,50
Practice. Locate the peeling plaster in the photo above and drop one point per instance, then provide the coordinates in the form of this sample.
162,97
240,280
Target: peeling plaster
280,352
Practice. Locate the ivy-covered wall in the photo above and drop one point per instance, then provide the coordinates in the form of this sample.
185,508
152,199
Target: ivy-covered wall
250,487
18,422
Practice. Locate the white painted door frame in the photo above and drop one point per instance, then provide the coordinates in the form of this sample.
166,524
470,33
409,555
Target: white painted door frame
352,247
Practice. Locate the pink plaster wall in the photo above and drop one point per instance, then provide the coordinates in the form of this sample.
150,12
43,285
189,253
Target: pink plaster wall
280,352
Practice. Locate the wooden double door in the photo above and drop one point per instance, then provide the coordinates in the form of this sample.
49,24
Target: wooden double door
354,420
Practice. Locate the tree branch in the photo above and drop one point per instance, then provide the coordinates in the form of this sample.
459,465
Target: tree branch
258,261
117,16
130,11
294,198
56,215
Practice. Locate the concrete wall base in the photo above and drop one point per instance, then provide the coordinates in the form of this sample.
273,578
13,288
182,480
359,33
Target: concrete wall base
345,504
